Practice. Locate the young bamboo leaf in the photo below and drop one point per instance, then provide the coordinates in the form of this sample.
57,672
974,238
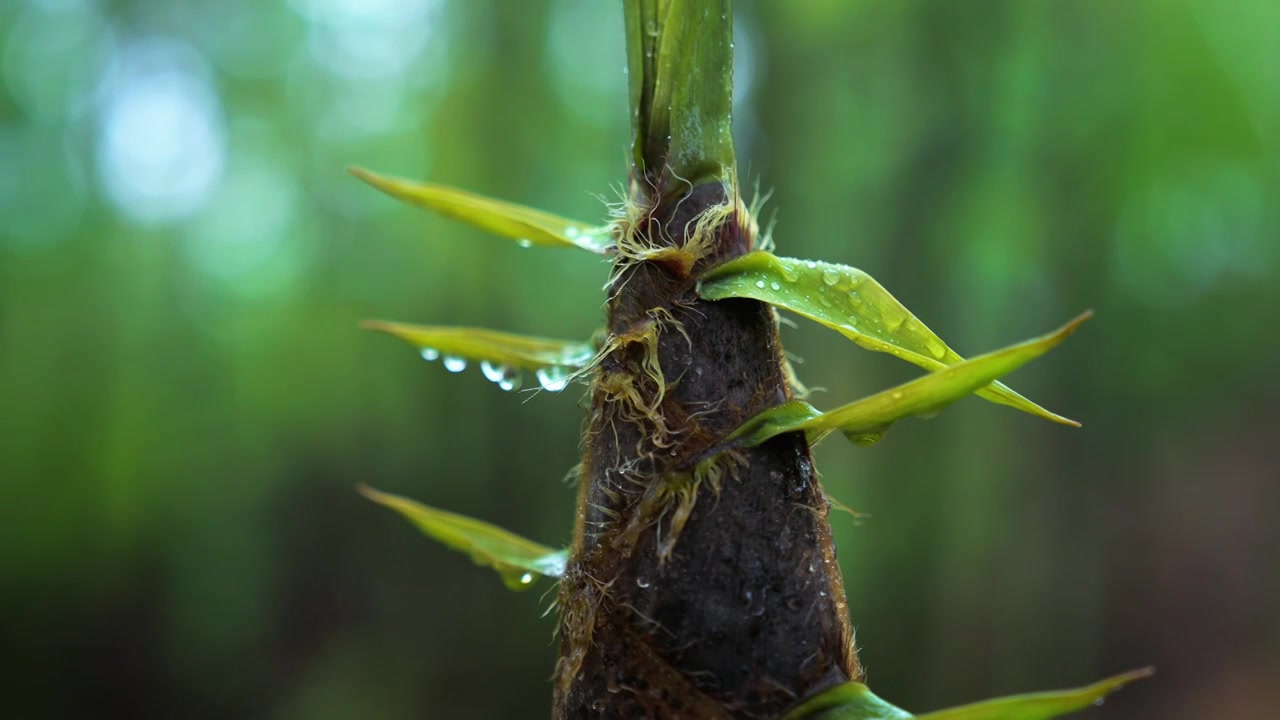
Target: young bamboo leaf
865,421
852,303
848,701
502,355
524,225
854,701
516,559
1040,706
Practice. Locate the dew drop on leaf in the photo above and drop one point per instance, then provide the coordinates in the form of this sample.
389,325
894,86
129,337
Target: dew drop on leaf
526,578
760,284
775,286
864,438
553,379
642,581
511,380
492,373
524,243
830,276
430,354
579,356
454,364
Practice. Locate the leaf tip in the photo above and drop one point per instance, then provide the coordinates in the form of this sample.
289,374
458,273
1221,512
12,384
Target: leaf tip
1139,674
1073,324
370,493
380,182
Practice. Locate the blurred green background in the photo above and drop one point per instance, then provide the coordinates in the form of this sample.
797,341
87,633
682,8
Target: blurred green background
186,402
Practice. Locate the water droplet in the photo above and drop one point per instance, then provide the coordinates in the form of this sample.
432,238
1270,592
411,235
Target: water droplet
642,581
760,284
454,364
775,286
526,578
524,243
830,276
553,378
864,438
511,381
578,356
430,354
812,265
493,373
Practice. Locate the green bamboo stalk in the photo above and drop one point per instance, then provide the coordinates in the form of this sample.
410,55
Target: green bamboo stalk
680,63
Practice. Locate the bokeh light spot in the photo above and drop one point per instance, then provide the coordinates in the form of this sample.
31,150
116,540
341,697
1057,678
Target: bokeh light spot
161,137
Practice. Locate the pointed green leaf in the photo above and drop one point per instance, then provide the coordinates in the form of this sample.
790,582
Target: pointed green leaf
1040,706
848,701
854,701
503,354
865,421
522,224
852,303
516,559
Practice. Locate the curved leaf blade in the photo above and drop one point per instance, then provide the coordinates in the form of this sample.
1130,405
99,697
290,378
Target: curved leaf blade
790,416
855,701
852,303
522,224
516,559
503,355
1040,706
847,701
522,351
864,421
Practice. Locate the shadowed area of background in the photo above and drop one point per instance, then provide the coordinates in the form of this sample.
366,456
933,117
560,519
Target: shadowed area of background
186,403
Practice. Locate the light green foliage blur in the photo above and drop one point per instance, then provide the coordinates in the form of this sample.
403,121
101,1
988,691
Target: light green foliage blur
187,403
